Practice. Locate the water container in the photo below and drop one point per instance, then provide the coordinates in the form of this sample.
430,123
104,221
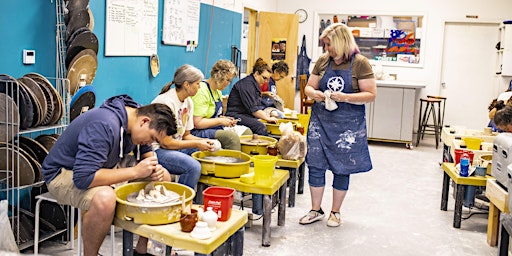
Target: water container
464,165
264,166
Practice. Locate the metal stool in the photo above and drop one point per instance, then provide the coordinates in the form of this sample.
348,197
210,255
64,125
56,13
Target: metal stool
423,123
49,197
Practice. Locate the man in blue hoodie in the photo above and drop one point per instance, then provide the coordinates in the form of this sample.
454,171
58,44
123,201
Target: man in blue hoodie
81,166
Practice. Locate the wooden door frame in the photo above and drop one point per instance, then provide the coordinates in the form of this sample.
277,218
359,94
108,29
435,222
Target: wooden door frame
251,39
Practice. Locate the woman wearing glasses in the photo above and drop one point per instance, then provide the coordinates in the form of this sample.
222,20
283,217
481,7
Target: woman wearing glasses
208,119
244,100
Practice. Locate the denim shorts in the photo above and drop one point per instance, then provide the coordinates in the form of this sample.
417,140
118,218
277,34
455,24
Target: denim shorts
317,179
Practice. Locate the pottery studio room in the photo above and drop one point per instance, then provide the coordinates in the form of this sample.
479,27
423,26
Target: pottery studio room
245,127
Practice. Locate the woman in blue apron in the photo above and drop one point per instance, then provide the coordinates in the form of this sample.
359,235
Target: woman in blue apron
336,136
208,120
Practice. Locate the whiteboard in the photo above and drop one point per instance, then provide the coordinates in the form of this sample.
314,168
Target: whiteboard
131,27
181,21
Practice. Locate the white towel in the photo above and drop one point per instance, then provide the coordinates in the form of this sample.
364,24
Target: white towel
330,104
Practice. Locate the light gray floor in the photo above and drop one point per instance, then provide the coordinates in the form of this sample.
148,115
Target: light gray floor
392,210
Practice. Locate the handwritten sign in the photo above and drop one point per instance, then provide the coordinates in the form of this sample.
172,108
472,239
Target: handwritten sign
181,21
131,28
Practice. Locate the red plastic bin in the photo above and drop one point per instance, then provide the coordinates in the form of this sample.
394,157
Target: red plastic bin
221,201
459,152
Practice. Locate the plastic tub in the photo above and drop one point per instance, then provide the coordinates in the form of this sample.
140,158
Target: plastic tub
459,152
221,201
473,143
264,166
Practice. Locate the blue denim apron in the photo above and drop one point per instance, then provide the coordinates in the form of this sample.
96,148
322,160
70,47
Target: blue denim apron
210,132
337,139
269,101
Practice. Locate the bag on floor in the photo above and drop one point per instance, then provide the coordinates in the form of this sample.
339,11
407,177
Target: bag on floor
7,243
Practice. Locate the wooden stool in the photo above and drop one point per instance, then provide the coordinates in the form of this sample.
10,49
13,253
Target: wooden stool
440,116
423,123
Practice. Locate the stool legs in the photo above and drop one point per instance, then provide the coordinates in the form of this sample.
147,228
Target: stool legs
424,116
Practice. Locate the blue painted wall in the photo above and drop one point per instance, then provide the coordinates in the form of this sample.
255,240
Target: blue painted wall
28,25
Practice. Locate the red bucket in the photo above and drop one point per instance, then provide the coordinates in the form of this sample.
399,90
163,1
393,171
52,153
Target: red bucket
221,201
459,152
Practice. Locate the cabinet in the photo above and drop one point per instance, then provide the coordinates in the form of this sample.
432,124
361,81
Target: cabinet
504,50
391,116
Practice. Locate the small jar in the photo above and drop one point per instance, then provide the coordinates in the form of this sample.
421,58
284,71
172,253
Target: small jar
210,217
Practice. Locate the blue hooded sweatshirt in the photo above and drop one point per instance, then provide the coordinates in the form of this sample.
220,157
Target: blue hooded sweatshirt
96,139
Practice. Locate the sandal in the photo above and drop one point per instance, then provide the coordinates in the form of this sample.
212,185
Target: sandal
334,219
312,216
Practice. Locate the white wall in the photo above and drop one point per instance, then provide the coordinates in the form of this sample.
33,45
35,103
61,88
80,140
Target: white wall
436,13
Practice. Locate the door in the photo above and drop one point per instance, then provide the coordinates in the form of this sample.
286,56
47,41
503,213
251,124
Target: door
280,28
468,78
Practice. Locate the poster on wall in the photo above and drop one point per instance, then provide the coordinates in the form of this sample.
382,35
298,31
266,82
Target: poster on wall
181,22
278,49
131,27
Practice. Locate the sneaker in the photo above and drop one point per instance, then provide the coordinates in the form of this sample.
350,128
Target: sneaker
334,219
311,217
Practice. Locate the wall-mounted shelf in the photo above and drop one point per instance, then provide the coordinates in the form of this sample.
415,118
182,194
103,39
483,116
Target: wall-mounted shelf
389,40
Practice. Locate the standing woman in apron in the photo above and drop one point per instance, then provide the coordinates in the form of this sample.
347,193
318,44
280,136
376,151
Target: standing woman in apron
341,83
209,121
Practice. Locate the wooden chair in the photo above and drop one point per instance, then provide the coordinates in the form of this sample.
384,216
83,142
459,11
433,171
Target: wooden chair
305,102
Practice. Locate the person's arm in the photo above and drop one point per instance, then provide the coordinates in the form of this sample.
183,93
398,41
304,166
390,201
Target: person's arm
311,89
204,123
262,115
188,141
107,177
368,91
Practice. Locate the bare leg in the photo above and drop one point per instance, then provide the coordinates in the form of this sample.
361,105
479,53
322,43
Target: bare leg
97,220
142,245
316,197
337,199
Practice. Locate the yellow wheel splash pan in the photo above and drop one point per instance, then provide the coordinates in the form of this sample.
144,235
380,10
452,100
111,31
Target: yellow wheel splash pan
274,128
151,214
224,170
256,148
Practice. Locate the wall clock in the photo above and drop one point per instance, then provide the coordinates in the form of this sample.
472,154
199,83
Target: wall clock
303,15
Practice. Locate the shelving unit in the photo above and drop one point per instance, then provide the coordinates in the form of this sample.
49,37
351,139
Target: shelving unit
20,202
372,33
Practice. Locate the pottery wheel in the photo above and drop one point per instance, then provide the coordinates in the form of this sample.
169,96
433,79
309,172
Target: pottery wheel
224,159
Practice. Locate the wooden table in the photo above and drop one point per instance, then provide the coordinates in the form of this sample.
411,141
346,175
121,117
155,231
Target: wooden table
450,172
229,233
296,169
278,184
498,197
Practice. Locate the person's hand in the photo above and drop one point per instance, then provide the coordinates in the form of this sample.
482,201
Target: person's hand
158,173
339,96
205,145
146,167
318,96
268,94
227,121
272,120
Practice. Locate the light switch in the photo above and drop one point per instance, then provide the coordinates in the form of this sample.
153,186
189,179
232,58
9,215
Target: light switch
29,57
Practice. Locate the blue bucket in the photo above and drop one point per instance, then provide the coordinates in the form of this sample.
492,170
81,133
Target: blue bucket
15,196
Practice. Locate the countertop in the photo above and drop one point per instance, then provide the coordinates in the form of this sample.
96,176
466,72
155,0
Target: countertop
401,84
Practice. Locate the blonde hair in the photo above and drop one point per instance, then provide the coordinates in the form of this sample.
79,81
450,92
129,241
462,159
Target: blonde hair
222,69
185,73
341,40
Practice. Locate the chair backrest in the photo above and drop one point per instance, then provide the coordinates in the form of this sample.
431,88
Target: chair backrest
303,80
